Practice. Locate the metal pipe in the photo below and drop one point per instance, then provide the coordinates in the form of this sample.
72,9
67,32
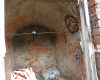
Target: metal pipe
31,33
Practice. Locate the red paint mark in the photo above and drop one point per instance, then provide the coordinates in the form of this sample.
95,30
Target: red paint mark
35,59
28,50
27,59
31,62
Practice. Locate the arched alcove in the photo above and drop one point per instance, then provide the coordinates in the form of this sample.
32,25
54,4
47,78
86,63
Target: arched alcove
40,51
36,50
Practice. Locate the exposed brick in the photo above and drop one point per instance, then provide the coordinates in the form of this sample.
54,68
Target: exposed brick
93,17
97,58
79,24
98,7
97,54
97,62
27,59
83,58
91,3
98,72
95,24
92,10
95,47
39,52
79,20
96,32
85,76
96,40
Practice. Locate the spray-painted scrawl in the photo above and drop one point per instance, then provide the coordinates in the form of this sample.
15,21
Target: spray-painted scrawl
71,23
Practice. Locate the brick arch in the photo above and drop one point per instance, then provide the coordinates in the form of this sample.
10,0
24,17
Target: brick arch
15,23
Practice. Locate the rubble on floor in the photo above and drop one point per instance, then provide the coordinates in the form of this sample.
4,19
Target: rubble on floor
28,74
60,77
23,74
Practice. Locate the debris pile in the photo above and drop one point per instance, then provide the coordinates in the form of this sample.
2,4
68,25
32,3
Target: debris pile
28,74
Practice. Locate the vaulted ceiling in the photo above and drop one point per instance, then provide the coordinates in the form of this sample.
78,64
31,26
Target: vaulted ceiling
40,0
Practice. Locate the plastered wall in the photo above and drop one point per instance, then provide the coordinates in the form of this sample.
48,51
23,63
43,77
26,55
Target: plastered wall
9,59
69,56
60,49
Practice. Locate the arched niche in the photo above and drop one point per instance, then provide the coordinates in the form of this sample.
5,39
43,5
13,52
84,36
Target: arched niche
36,50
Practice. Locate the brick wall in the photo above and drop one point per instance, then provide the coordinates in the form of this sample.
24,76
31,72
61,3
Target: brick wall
9,58
30,50
94,11
36,51
70,57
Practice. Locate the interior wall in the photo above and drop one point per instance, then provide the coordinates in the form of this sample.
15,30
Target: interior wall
69,56
9,58
34,50
19,15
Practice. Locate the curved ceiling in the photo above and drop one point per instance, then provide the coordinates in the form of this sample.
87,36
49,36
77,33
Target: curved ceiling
48,14
41,0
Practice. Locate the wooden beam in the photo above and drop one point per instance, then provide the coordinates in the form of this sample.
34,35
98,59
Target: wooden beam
40,0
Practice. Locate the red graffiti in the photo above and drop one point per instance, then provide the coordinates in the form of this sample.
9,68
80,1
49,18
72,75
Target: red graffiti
14,24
